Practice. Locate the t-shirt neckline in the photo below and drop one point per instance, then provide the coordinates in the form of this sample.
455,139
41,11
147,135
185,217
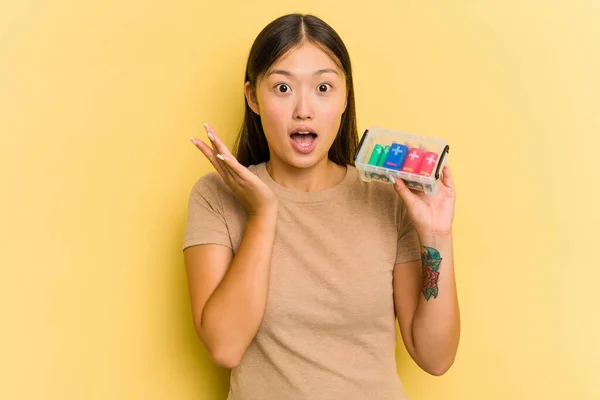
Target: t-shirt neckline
307,197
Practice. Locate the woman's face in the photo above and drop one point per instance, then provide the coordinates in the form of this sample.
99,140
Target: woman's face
304,91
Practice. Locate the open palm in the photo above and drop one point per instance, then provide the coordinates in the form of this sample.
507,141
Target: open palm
430,215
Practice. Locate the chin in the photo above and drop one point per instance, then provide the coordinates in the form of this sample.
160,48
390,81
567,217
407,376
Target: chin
308,162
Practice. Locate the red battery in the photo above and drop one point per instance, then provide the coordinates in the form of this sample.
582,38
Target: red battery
428,163
413,160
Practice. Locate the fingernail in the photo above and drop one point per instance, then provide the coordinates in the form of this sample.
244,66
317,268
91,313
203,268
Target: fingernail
220,157
206,127
210,136
391,178
193,140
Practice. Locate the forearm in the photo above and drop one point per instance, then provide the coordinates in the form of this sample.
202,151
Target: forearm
234,312
436,325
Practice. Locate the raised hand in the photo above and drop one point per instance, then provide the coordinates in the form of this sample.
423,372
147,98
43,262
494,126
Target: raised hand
257,197
430,215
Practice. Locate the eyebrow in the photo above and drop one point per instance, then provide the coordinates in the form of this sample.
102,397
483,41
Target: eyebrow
287,73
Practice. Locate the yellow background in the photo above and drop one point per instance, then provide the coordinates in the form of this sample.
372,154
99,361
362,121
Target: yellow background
98,100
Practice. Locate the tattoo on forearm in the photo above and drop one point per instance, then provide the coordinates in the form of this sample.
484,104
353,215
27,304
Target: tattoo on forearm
431,264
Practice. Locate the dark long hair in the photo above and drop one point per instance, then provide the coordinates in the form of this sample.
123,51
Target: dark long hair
272,42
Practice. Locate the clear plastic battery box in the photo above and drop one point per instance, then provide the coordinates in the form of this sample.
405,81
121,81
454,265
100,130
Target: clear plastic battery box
417,160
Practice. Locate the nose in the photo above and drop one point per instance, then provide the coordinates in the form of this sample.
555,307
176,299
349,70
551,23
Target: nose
304,107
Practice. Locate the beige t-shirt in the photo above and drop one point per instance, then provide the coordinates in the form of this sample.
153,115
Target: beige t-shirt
328,331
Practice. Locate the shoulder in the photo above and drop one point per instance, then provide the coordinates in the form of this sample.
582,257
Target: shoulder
208,185
210,188
213,191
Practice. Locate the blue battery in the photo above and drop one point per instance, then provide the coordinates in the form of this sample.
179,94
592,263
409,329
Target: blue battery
396,157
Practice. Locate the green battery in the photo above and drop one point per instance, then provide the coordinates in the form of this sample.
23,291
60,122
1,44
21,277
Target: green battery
377,150
386,150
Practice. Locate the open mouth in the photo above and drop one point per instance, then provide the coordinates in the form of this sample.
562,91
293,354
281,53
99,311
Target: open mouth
303,141
303,138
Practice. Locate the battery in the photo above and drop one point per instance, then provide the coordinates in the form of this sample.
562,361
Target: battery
428,163
386,151
376,154
413,161
396,157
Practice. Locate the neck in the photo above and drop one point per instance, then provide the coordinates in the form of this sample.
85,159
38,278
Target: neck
321,176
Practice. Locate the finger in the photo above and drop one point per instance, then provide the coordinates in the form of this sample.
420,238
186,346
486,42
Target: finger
225,162
211,155
447,177
225,155
240,171
211,138
228,163
220,147
407,196
214,147
217,152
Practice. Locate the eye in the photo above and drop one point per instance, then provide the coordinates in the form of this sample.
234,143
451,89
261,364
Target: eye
282,85
323,85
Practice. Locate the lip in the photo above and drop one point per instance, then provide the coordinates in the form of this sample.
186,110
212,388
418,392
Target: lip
303,128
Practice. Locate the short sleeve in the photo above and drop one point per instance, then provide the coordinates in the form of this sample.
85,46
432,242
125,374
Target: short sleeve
206,223
409,246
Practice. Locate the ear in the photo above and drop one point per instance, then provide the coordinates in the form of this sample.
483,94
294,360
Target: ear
250,93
